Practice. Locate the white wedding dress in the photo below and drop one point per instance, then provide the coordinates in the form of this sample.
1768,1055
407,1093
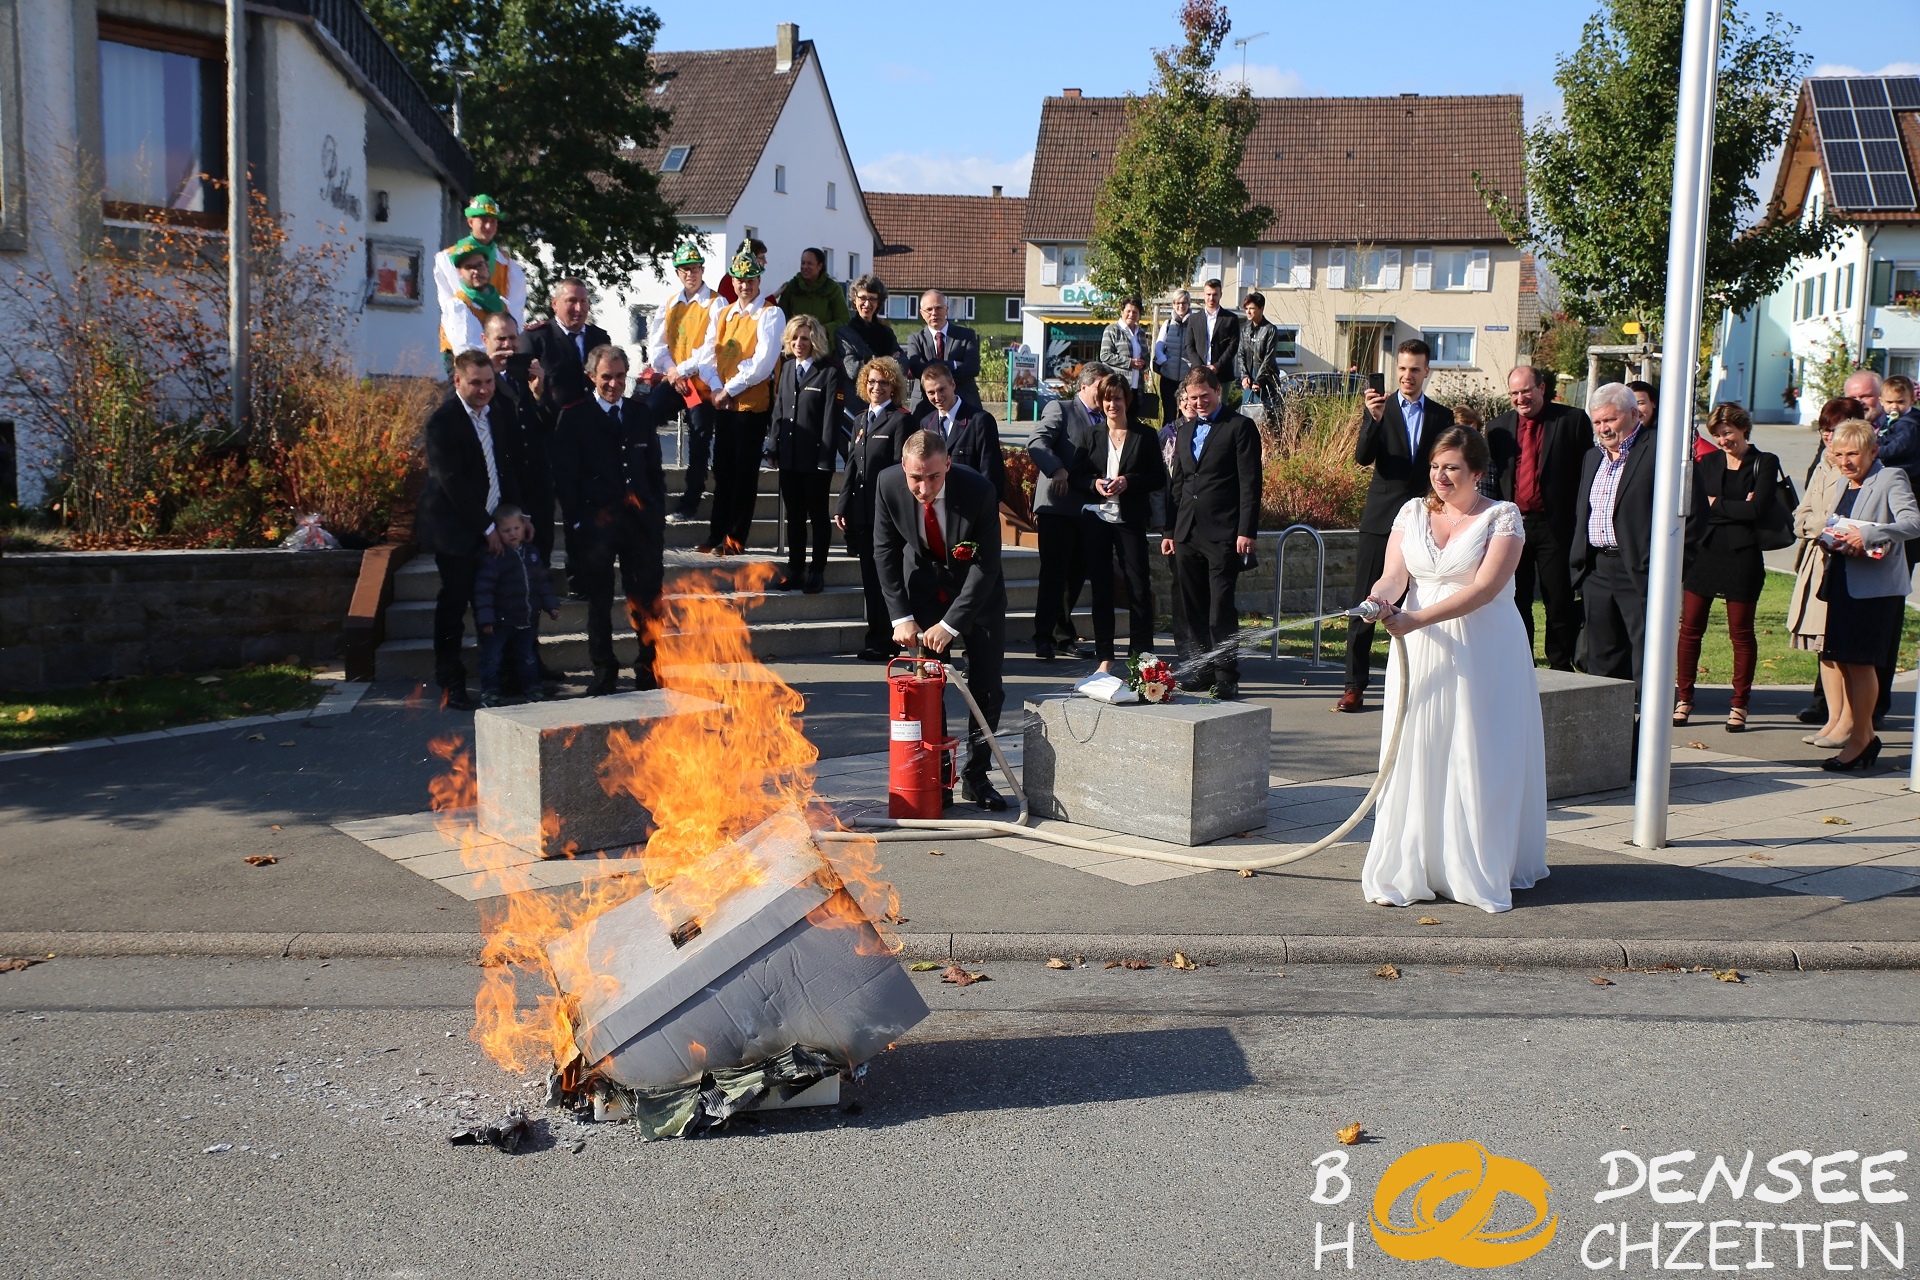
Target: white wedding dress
1464,813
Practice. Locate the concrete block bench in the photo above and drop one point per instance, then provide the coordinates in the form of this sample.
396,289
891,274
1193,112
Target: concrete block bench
1186,772
1588,722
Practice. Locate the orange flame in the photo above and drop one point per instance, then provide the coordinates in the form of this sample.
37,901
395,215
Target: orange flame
707,779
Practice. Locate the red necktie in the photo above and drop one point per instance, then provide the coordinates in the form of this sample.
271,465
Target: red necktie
936,545
939,346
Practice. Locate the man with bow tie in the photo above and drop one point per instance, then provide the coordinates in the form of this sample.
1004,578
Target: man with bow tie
937,546
1213,516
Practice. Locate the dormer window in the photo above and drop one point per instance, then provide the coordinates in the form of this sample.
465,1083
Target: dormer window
676,159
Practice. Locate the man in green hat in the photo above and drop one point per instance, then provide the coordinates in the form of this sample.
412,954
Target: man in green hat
685,342
505,281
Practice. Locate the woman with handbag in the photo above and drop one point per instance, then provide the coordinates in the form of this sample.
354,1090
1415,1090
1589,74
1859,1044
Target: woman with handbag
1741,485
1116,476
1807,607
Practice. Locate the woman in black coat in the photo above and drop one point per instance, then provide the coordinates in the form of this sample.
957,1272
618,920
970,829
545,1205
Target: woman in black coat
804,442
1740,482
1117,475
879,434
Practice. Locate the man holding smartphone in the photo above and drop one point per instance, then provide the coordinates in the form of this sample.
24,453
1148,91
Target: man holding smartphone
1396,437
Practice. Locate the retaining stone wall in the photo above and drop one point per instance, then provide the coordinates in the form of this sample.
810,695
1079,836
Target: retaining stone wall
1255,590
67,618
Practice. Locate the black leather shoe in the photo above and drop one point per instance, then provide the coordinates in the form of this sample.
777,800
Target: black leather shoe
787,582
1226,689
457,698
1811,715
551,676
871,654
981,792
605,681
643,680
1198,682
1081,651
1044,652
816,582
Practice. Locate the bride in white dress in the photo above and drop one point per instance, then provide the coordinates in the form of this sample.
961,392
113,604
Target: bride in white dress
1464,813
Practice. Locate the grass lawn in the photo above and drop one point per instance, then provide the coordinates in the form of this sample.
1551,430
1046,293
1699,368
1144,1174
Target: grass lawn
115,708
1779,662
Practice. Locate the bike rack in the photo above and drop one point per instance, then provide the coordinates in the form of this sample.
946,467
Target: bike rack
1319,584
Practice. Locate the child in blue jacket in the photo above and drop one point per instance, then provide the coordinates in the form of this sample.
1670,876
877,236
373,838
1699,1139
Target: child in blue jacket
511,589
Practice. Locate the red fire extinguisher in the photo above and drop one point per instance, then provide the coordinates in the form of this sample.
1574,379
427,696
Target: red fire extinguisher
920,754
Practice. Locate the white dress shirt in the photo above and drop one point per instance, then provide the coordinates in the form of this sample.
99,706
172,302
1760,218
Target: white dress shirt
483,428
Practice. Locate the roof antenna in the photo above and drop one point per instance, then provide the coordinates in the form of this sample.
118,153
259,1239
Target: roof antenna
1242,44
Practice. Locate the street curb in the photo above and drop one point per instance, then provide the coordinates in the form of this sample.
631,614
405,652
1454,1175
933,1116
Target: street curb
1551,953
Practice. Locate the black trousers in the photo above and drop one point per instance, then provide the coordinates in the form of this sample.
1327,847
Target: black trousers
457,574
879,626
1169,400
1104,544
1543,565
985,647
638,546
699,443
1205,574
804,494
1616,620
1063,572
739,442
1369,562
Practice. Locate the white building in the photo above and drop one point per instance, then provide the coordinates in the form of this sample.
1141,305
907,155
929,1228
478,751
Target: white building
1852,149
754,151
342,141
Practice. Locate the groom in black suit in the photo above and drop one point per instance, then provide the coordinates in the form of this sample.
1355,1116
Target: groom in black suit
936,544
1212,519
1396,439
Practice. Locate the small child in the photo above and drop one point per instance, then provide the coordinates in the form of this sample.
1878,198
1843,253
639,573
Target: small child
511,589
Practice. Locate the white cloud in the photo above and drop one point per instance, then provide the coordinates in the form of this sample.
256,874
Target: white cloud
899,73
1891,69
1268,82
938,173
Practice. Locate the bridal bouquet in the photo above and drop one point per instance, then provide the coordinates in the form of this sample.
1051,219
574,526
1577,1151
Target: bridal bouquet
1150,677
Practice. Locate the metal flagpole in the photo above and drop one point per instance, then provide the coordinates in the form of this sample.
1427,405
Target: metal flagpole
237,209
1686,268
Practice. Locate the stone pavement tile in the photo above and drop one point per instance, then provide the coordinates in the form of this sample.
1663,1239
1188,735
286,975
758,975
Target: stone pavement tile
452,862
419,844
1753,796
1855,884
1883,784
1775,833
1059,855
1816,854
1907,857
1138,871
1683,852
1275,780
1744,868
556,872
367,829
1323,813
476,885
1876,813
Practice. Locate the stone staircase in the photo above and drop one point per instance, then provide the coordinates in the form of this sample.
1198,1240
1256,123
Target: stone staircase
783,624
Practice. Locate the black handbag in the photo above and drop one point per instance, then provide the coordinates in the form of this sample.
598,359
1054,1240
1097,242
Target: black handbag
1774,530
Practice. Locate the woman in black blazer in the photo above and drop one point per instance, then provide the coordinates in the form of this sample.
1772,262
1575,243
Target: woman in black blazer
1739,482
879,434
1116,476
804,442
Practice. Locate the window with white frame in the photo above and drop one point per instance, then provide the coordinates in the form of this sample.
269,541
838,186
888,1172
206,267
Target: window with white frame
833,195
1288,352
780,178
1013,309
1450,268
853,265
1452,348
1376,269
826,260
1843,289
1903,362
1286,269
1073,264
1906,284
1207,266
162,124
675,160
899,307
959,308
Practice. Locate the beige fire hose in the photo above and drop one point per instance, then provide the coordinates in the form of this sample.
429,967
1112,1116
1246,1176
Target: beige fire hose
962,829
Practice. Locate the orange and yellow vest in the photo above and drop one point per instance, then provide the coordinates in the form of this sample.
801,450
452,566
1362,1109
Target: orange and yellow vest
739,340
687,324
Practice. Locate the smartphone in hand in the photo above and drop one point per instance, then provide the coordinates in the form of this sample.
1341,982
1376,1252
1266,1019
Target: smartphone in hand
1377,383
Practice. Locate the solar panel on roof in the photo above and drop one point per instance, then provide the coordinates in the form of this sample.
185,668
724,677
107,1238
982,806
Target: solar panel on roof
1859,139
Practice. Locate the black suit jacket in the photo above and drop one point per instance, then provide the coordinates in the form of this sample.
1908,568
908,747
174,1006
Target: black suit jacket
1398,476
560,361
1632,512
1566,435
453,506
1216,499
876,447
1141,464
1226,341
533,439
805,433
975,441
913,583
596,470
857,342
963,353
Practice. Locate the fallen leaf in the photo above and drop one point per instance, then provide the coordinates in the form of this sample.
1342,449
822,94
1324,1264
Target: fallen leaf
1761,857
1349,1135
10,964
1111,964
1180,961
1387,971
1698,746
1601,982
1244,835
935,853
1728,975
286,744
262,860
1136,964
26,715
1055,962
276,827
922,966
1246,873
1835,820
1428,920
206,680
256,737
961,978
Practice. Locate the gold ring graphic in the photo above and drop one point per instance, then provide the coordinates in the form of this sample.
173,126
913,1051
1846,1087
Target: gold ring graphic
1437,1174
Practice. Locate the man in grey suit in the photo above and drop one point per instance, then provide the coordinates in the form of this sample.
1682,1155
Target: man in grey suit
1064,433
936,542
952,344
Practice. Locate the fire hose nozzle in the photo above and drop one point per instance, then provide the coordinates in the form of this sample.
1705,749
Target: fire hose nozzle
1368,611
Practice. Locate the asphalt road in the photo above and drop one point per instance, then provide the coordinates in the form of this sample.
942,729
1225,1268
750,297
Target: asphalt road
1097,1122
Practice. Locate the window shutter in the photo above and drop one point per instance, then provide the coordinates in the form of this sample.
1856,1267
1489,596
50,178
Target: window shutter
1336,268
1480,270
1423,268
1302,277
1050,265
1882,293
1246,270
1390,269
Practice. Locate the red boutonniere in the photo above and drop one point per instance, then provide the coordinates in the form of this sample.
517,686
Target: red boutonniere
965,551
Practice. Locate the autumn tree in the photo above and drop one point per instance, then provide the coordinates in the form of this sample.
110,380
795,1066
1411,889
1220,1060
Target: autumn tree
553,98
1599,180
1175,186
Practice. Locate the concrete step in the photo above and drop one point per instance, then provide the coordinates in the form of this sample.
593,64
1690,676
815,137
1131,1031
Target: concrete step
769,480
412,659
766,506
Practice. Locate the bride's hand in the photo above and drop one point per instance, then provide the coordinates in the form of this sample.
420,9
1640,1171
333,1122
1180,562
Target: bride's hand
1399,622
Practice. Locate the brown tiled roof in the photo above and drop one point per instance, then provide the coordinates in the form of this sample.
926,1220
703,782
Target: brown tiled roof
1333,170
949,242
724,104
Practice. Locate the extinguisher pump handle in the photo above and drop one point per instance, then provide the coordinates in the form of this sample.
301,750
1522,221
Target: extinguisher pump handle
934,663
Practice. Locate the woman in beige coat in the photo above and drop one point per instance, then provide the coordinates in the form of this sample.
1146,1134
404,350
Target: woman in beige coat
1806,611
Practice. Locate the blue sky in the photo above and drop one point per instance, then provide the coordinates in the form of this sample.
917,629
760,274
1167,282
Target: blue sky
946,97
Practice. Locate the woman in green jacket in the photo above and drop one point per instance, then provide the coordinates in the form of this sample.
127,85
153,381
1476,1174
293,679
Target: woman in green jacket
815,293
